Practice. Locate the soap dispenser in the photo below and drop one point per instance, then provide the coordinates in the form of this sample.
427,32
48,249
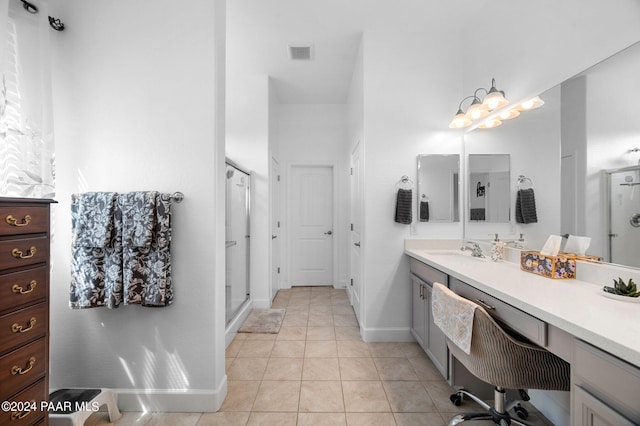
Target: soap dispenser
497,249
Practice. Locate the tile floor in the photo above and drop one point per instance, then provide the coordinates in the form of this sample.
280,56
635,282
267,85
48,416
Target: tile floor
318,371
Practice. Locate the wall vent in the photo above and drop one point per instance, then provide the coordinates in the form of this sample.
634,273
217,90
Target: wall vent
300,52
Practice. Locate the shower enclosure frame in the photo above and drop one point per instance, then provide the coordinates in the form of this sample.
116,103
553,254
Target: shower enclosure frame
230,317
610,234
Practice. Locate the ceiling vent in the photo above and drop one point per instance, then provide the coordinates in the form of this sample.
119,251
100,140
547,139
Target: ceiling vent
300,52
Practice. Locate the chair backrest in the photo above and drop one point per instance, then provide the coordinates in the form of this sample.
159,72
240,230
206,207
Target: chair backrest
501,360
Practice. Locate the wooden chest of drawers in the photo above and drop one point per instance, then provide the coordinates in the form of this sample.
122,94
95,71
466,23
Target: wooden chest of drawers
24,309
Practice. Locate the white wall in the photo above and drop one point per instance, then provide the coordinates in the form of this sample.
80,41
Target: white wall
138,101
316,134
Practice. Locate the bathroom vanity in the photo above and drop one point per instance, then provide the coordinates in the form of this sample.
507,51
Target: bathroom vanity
598,336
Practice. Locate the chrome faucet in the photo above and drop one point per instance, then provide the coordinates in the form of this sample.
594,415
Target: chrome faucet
472,246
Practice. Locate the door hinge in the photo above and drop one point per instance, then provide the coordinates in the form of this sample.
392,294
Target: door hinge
278,178
278,269
352,226
351,171
351,282
278,224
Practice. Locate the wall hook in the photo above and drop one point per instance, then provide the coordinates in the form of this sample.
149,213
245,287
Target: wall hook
56,24
31,8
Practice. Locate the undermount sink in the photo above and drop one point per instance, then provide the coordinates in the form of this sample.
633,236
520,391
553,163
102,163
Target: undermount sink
454,253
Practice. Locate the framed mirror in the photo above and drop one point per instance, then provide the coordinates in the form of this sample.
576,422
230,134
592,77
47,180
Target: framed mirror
489,188
438,188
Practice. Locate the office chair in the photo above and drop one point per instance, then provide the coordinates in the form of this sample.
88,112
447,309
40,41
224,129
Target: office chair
502,361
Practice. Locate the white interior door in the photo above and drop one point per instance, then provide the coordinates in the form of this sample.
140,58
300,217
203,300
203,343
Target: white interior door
355,245
275,227
311,201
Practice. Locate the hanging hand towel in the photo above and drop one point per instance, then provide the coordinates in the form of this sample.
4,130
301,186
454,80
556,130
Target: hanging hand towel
526,206
96,251
424,211
403,206
146,218
453,314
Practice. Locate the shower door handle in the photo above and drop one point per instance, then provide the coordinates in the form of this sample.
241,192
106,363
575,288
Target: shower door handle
273,237
635,220
230,243
328,233
357,244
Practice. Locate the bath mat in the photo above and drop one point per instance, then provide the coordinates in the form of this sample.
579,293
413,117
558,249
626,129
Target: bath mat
263,321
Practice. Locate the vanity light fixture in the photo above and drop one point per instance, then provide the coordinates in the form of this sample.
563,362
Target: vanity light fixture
479,108
509,114
490,123
532,103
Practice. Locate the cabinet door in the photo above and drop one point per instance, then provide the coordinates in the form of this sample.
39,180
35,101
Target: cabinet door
590,411
418,321
436,340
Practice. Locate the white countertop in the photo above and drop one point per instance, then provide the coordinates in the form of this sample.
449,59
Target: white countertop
574,306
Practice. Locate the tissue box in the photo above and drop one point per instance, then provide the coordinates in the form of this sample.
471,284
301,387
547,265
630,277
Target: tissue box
557,267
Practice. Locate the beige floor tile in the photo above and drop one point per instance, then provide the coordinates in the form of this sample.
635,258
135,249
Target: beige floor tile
348,333
240,395
272,419
358,369
261,336
233,348
101,418
283,369
255,349
317,308
298,319
424,368
419,419
321,396
321,333
412,349
370,419
320,320
321,349
348,320
408,397
226,418
292,333
439,391
365,397
227,364
395,369
279,304
387,350
342,310
321,369
280,396
353,349
321,419
288,349
174,419
321,299
127,419
247,369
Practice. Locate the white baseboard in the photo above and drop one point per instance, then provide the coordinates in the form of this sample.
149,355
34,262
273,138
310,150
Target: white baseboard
399,334
341,284
261,303
161,400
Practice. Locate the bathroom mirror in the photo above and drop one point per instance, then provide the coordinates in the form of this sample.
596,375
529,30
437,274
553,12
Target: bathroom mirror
489,188
582,151
438,188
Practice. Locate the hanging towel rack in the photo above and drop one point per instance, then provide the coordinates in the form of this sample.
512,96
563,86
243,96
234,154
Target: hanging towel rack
177,197
523,179
405,183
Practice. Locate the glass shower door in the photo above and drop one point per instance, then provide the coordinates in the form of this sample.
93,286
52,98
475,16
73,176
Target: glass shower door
237,240
624,216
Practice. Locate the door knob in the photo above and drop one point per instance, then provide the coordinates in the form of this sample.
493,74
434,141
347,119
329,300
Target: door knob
273,237
357,244
328,233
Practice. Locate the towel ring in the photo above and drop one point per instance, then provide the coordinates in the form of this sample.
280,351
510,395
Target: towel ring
523,179
405,183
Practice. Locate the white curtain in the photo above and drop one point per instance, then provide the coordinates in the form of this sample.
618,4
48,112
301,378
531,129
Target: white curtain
26,128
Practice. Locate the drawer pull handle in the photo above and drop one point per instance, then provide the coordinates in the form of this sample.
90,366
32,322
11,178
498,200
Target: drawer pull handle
19,415
485,305
18,254
16,289
17,370
14,222
17,328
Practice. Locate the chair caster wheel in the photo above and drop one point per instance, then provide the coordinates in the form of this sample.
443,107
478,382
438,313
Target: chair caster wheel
455,399
521,412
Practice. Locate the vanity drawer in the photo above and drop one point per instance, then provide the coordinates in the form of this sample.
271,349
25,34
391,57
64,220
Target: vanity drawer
23,288
23,326
17,220
15,253
522,323
34,394
427,273
20,368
